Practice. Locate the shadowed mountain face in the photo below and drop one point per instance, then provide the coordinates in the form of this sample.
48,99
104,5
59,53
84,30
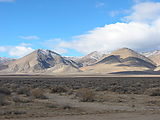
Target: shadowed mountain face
72,60
109,60
137,62
3,66
47,59
41,61
157,68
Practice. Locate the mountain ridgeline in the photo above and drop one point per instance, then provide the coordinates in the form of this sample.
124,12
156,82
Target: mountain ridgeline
41,61
49,62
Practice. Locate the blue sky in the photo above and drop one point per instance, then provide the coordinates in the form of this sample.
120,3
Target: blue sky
70,27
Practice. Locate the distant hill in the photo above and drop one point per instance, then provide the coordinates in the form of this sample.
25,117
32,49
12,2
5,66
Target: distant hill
121,60
154,56
88,59
4,62
41,61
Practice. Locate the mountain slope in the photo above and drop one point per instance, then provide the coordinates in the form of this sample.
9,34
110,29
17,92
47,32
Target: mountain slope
121,60
110,59
126,52
89,59
41,61
4,62
154,56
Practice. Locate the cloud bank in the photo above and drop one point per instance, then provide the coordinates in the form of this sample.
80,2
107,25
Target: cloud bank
145,12
17,51
140,31
99,4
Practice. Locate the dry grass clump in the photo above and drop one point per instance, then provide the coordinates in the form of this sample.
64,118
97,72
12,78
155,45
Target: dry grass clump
3,100
12,112
51,105
18,99
86,95
5,91
154,102
38,93
24,90
66,107
59,89
62,106
153,92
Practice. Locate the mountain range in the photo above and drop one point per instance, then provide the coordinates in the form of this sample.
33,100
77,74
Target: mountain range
49,62
4,61
154,56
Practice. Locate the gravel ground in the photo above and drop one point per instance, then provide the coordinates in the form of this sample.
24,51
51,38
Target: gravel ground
117,116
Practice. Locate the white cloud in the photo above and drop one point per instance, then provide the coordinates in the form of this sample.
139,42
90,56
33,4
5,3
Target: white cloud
117,12
25,44
2,49
144,12
29,37
20,51
134,35
60,50
99,4
114,13
138,1
142,32
16,51
52,44
7,0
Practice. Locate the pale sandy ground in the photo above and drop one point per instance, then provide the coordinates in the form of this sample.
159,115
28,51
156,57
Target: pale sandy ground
125,112
71,75
116,116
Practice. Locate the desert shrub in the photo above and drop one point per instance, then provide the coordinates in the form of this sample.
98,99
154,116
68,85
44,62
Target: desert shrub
119,89
86,95
66,107
24,90
153,102
5,91
12,112
101,88
3,100
18,99
14,87
16,112
38,93
59,89
153,92
51,105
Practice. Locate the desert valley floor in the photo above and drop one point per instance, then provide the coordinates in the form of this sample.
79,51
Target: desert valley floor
29,97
